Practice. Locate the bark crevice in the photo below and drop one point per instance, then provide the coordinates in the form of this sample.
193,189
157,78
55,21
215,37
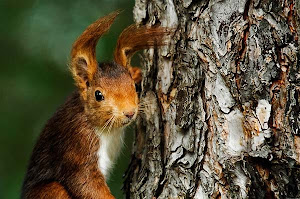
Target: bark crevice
227,119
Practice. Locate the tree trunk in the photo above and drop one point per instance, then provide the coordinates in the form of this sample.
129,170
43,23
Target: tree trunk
220,113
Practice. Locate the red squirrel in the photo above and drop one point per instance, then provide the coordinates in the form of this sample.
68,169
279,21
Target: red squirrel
79,144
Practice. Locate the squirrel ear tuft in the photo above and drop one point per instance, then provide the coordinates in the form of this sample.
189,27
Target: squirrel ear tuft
83,55
135,38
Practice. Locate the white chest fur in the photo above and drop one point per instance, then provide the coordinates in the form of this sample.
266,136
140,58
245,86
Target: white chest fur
109,149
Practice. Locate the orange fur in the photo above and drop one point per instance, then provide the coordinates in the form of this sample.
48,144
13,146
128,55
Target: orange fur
135,38
52,190
120,96
83,50
65,160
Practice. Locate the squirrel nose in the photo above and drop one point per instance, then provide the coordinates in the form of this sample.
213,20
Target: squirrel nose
129,114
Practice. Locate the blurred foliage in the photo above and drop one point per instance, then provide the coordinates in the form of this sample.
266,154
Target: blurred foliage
36,38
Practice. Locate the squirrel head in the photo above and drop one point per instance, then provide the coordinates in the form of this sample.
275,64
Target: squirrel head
107,90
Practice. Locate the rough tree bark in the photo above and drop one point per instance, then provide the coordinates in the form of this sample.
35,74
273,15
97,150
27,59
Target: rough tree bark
221,118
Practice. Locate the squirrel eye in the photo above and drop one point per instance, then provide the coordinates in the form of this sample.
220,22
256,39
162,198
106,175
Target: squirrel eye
99,96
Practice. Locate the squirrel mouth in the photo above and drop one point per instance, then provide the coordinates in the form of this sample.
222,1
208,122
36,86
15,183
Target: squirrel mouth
126,122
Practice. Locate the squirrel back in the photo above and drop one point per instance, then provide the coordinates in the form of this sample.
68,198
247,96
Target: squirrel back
78,145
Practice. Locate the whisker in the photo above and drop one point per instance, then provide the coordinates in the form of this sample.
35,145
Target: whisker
111,124
101,131
106,124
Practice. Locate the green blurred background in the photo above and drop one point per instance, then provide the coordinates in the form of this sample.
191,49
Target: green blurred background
36,38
